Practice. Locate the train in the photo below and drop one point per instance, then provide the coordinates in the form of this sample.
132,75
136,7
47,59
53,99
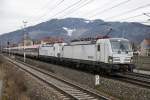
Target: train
108,54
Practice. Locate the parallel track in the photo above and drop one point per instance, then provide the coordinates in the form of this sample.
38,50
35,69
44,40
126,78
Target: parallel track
139,75
135,78
70,90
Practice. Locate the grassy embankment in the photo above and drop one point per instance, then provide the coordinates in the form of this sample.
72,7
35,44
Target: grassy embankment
14,87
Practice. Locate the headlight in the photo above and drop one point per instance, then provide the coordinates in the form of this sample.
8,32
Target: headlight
110,59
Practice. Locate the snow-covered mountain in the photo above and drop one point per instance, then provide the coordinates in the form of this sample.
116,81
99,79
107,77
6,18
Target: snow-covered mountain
69,31
73,28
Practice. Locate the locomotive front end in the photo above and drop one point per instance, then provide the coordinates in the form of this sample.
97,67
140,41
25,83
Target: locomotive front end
121,54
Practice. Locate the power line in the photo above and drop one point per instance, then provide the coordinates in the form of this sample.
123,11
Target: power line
66,8
73,9
43,7
107,3
132,17
129,11
107,9
80,7
139,15
52,8
47,4
74,4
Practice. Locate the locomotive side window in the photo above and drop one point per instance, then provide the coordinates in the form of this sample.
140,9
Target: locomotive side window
98,47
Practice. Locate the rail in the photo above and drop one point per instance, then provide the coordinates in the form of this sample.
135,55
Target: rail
69,89
135,78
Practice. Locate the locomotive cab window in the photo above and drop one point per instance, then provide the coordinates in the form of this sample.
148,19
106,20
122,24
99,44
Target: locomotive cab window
98,47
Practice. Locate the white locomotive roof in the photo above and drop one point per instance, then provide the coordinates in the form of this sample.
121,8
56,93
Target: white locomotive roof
94,41
118,39
113,39
80,42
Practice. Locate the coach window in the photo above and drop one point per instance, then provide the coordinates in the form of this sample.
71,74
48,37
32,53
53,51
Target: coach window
98,47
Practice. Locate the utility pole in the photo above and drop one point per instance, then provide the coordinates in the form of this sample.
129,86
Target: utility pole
8,44
24,30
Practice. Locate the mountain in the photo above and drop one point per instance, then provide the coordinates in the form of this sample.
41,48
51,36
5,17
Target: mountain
73,28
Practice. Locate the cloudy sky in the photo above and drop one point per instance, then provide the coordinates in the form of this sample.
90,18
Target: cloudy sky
13,12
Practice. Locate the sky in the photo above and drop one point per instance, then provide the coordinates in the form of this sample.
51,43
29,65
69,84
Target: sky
14,12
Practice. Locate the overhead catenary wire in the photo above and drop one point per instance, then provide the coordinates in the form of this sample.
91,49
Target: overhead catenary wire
70,6
48,4
52,8
65,9
135,16
110,8
129,11
107,3
79,7
131,17
43,7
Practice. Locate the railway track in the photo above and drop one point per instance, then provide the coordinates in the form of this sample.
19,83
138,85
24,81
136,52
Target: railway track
135,78
67,89
139,75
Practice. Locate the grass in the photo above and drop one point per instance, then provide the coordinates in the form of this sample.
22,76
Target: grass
14,87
